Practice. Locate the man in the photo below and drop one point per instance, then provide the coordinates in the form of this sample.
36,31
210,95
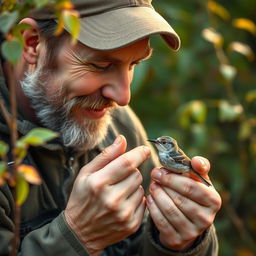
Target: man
92,200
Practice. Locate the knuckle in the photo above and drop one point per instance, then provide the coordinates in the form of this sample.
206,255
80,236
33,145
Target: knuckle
180,200
216,202
189,188
128,163
132,226
190,235
172,211
111,205
174,242
206,220
124,217
162,223
96,186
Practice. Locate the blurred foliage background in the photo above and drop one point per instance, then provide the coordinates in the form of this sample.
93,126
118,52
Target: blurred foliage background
204,95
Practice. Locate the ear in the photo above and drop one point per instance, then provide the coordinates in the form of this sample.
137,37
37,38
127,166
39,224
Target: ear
31,40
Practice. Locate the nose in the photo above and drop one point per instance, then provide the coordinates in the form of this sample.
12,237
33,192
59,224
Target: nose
118,87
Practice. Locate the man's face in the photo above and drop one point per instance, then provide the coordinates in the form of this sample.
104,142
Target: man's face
76,93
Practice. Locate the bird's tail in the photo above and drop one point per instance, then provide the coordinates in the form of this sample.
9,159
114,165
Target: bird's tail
207,183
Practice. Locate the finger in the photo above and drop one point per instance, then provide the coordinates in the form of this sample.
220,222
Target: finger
124,165
165,228
139,215
131,204
202,217
170,211
128,186
194,190
106,156
201,165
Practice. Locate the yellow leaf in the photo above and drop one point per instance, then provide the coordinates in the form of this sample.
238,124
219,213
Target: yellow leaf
30,174
60,23
212,36
218,9
65,5
243,49
246,24
72,23
250,96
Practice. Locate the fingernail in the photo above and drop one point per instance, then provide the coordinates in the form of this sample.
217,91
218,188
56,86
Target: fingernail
118,140
149,199
157,175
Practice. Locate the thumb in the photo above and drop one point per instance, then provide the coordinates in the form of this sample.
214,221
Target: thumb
201,165
106,156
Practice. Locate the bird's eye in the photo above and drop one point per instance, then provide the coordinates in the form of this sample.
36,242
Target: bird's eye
163,142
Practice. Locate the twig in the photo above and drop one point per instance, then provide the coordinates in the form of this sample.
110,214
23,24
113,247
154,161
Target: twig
12,123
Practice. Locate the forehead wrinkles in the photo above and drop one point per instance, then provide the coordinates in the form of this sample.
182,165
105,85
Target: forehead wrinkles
134,52
77,64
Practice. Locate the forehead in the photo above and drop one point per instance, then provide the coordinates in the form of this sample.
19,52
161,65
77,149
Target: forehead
134,51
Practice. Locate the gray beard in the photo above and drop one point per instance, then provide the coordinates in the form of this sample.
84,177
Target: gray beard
55,114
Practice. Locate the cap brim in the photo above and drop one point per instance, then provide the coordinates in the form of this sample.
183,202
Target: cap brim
121,27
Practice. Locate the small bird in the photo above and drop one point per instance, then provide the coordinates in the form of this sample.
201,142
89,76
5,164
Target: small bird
173,158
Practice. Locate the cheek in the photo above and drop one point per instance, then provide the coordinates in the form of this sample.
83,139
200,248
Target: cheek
74,85
85,85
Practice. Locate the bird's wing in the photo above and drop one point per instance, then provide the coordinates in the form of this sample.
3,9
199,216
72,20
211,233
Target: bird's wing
180,157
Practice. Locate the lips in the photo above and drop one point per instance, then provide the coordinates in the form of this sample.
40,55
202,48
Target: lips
94,113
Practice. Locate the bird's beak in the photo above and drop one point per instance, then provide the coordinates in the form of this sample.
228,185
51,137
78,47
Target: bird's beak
154,141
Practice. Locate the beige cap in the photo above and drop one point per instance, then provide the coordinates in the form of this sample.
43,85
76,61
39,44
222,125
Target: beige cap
111,24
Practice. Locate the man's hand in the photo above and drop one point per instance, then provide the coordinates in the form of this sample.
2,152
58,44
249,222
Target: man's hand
107,202
182,208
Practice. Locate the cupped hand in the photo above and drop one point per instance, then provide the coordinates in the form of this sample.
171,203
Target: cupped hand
107,202
182,208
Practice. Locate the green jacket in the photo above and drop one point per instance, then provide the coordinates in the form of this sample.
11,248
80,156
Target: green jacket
44,230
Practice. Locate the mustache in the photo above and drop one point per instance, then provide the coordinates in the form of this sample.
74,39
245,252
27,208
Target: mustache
90,101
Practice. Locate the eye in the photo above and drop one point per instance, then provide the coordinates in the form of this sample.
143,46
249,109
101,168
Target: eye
101,66
163,142
133,64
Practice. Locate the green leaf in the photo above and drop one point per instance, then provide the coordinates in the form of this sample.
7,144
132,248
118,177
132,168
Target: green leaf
39,136
21,150
3,148
245,130
3,168
198,111
40,3
18,29
22,189
72,23
229,112
7,20
11,50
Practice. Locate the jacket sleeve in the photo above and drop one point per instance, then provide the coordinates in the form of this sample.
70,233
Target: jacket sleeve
54,238
206,245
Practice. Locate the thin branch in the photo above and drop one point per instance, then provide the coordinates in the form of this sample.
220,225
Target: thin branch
5,113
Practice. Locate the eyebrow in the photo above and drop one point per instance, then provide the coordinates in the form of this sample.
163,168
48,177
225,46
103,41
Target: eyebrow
106,58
